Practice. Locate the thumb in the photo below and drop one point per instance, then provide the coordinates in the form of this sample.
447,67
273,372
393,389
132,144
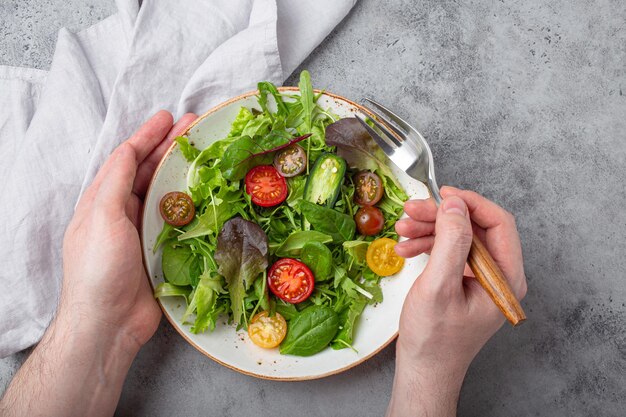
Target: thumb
453,238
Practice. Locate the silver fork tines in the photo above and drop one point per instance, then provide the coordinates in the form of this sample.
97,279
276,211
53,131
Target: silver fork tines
402,144
385,144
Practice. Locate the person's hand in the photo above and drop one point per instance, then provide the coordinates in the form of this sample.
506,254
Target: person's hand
104,278
107,310
447,316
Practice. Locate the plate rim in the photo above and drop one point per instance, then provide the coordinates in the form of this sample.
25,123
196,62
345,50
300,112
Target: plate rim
177,325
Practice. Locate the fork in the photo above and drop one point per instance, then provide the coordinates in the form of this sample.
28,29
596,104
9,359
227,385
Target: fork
409,151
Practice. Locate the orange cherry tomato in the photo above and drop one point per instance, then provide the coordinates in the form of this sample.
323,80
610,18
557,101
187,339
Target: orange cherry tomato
382,259
267,332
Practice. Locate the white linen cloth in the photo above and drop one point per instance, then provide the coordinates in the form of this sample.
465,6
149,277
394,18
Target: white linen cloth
57,127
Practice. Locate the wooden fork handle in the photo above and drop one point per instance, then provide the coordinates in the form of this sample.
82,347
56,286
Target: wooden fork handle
493,281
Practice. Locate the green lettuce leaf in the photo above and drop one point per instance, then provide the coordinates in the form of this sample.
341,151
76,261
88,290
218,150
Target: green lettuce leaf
205,302
189,151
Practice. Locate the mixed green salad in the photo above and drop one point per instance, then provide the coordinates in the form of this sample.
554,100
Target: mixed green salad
286,227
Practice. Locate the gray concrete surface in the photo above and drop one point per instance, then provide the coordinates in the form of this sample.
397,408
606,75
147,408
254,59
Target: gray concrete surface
521,101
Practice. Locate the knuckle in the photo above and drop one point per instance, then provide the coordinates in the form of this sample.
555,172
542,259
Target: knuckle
123,148
509,217
459,233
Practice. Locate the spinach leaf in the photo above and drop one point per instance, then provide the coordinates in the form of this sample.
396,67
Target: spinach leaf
310,331
319,258
189,151
250,151
180,265
232,163
241,255
292,246
326,220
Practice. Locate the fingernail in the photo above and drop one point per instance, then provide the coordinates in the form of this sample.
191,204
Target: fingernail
454,205
397,246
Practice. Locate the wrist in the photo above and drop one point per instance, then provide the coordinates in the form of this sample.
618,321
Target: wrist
423,361
79,366
86,327
422,387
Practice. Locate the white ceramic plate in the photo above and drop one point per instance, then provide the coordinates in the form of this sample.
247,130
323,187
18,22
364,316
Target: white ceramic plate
378,325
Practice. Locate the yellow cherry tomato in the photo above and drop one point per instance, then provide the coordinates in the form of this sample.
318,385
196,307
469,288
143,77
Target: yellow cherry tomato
382,259
267,332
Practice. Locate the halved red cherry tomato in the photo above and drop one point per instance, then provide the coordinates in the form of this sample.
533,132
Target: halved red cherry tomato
177,208
368,188
266,186
265,331
369,220
290,161
290,280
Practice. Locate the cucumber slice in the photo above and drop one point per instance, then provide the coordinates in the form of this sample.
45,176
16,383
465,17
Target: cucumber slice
325,179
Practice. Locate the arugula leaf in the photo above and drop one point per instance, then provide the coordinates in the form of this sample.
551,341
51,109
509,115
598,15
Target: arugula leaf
374,289
241,255
348,319
356,250
215,215
180,265
306,98
166,233
265,89
189,151
292,246
310,331
308,105
326,220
